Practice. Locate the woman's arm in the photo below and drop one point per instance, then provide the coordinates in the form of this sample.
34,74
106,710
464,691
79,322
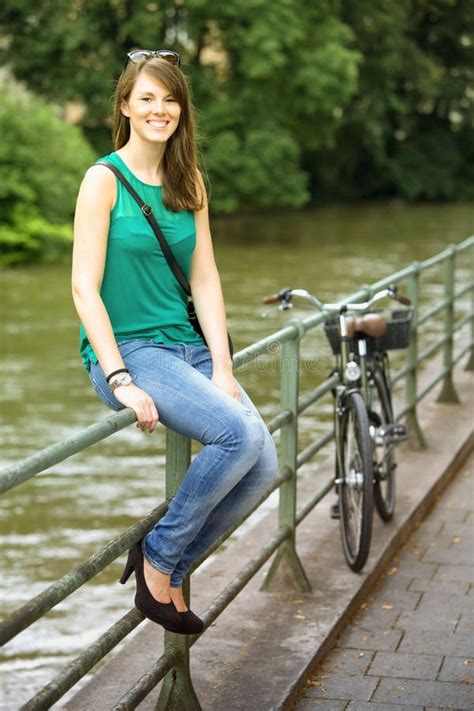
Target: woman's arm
209,301
91,225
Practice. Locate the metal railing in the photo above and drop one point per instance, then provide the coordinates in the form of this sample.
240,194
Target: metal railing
173,666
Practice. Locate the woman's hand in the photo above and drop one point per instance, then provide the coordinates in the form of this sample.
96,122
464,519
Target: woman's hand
225,381
141,403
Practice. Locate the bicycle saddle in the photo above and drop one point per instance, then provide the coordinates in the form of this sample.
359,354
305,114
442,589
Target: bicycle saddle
371,324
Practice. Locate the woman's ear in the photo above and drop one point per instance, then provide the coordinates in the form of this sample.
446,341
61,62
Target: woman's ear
124,109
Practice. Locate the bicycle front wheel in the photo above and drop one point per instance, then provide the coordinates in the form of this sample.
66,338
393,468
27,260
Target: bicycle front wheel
355,487
384,465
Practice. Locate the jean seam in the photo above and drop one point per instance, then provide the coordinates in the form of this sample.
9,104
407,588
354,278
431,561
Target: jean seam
105,396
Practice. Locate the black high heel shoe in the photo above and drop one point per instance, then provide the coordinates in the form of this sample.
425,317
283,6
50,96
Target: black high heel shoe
193,623
163,613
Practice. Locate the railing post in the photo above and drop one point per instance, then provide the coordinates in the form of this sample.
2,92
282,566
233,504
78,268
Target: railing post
412,357
286,563
177,691
448,391
470,362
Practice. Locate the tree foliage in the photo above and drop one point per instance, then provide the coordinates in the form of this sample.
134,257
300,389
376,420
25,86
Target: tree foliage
297,100
42,161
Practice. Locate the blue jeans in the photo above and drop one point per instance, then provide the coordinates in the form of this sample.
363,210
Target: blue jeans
226,478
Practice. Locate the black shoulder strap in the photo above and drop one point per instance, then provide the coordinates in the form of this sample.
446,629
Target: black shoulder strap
148,212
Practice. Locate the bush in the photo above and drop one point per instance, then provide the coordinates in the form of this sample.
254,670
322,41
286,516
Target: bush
42,162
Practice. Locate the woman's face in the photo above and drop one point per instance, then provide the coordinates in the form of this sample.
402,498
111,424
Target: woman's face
153,112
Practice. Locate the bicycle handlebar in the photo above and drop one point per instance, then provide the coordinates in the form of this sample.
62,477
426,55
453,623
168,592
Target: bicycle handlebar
284,296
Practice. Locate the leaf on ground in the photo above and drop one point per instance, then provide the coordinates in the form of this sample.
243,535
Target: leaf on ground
388,607
392,570
456,539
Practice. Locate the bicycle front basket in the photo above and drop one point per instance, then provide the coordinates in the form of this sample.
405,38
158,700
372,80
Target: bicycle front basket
396,336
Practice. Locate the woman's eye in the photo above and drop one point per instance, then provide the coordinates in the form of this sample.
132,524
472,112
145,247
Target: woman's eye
146,98
170,98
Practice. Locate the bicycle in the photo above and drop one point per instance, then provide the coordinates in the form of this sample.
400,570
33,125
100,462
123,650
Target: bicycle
366,431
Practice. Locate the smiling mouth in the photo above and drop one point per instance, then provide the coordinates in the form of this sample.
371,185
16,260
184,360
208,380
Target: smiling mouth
158,124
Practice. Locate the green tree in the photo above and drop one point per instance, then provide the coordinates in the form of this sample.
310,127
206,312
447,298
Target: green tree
42,161
408,129
266,77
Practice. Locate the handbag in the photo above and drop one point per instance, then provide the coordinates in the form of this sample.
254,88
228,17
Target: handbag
168,254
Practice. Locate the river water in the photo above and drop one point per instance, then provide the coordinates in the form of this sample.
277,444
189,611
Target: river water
58,519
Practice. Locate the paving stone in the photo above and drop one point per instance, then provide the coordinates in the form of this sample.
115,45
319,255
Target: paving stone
458,587
447,555
376,616
458,669
362,638
466,623
445,619
343,687
412,551
415,569
391,580
345,661
418,641
447,515
463,573
435,601
423,693
401,599
329,704
405,666
459,528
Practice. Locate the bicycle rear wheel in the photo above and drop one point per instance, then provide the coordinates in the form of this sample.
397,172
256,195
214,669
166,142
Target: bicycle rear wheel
355,482
384,465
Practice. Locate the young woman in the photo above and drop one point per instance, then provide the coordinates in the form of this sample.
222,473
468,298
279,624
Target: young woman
137,343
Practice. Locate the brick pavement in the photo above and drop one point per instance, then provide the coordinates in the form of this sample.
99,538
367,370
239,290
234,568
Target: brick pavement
411,644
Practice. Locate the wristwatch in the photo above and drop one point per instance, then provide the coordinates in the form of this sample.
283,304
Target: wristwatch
120,379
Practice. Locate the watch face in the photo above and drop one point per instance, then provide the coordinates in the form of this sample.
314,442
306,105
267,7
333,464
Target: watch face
122,379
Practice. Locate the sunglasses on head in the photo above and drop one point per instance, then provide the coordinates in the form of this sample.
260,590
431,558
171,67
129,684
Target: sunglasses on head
138,55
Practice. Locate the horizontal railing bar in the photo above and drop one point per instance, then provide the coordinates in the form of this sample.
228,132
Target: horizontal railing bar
59,451
35,608
312,449
265,345
317,393
463,290
394,278
462,353
315,499
431,349
431,384
148,681
79,667
283,418
435,259
463,322
432,312
468,242
400,374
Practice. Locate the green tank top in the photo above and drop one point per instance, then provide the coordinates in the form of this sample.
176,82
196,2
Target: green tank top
140,292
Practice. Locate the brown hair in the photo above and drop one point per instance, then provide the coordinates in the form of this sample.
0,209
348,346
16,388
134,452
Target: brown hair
180,191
